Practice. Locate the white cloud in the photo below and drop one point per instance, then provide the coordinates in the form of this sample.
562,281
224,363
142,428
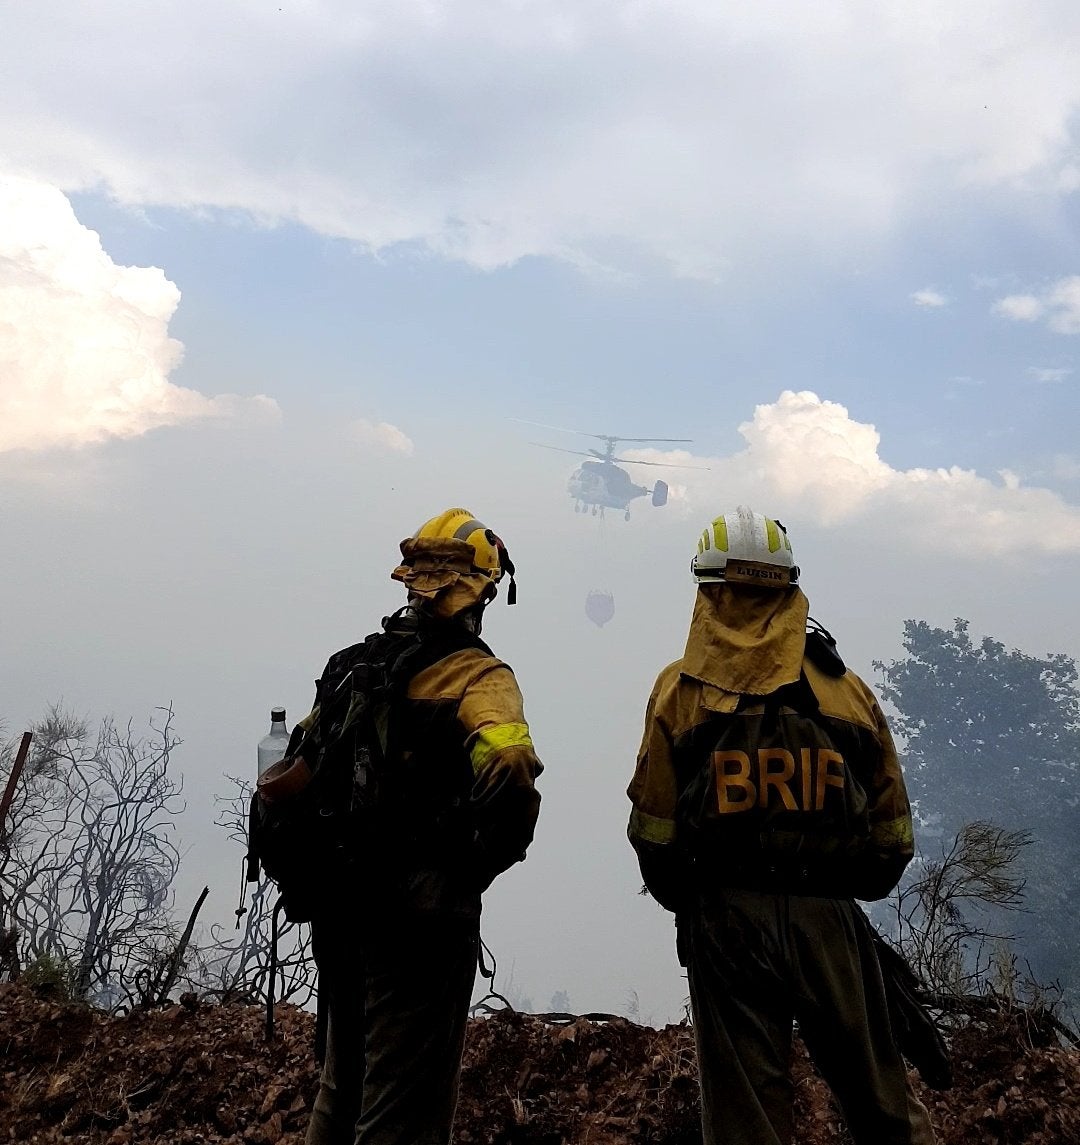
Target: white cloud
1019,307
805,456
928,297
1059,304
380,436
1063,302
1048,373
85,351
697,133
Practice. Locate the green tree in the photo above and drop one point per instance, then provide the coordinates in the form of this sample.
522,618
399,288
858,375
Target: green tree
993,734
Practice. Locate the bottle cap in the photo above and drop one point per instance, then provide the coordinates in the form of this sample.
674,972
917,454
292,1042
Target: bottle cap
277,714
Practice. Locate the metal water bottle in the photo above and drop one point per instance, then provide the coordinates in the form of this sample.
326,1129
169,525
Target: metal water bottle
273,745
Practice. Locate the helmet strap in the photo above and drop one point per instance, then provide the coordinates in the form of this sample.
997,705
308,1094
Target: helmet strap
507,566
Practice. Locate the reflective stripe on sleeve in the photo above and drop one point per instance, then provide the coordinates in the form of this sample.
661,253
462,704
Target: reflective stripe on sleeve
494,738
893,833
650,828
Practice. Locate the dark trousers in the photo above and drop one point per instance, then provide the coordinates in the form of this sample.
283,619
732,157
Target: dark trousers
398,998
758,962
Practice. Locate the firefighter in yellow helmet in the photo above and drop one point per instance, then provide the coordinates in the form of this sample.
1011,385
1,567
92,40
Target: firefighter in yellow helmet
397,962
767,798
452,566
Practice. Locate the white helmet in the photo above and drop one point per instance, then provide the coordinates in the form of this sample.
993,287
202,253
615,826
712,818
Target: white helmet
745,547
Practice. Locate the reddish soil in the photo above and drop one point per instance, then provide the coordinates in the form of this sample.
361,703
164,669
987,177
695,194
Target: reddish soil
201,1072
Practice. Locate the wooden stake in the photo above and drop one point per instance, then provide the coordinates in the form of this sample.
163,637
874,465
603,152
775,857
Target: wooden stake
13,779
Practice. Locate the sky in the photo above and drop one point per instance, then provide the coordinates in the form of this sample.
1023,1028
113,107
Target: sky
280,282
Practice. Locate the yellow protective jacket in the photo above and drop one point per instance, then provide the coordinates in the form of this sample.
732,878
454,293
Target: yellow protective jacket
760,768
457,801
464,738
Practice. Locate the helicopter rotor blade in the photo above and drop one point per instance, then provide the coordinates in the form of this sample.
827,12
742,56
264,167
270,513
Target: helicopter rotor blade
596,455
559,449
600,436
558,428
682,439
659,464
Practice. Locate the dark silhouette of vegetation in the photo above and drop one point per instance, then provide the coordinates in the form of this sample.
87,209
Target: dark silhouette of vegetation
992,735
937,914
89,860
237,962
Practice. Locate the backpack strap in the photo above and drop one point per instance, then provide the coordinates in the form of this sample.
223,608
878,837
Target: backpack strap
432,642
271,982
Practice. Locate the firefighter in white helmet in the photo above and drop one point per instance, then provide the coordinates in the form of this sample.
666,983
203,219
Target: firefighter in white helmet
767,797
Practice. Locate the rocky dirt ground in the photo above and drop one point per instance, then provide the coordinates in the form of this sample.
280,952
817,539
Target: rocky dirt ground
202,1072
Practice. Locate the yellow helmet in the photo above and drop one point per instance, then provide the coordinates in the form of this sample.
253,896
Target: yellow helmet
489,553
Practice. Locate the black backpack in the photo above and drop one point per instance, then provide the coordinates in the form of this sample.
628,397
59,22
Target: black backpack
328,832
778,790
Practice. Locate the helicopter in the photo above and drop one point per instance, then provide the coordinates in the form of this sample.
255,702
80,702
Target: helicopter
600,483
